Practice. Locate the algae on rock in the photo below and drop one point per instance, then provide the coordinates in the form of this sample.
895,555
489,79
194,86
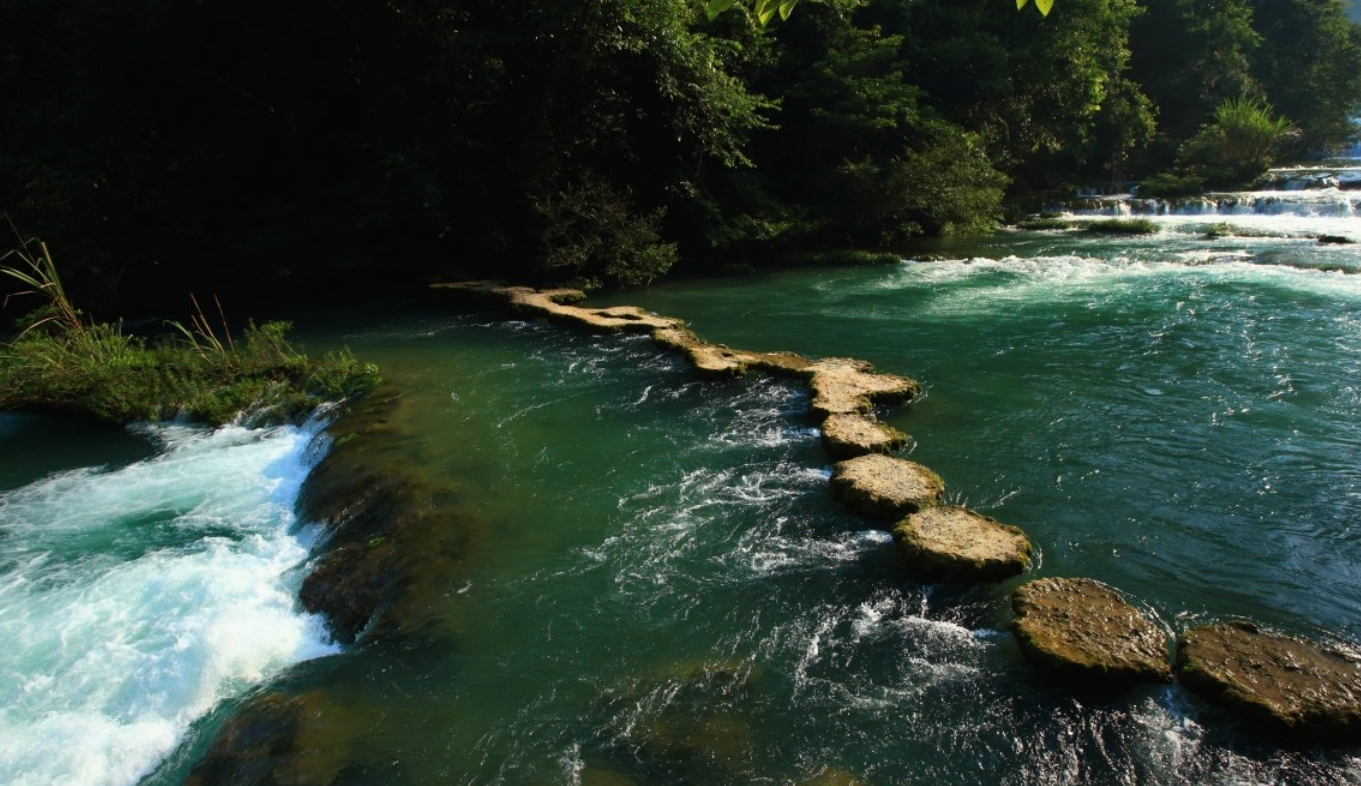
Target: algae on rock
1084,628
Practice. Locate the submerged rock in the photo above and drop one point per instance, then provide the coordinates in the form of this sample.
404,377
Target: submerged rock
692,716
271,740
834,777
955,544
1282,682
848,436
389,536
885,488
1084,628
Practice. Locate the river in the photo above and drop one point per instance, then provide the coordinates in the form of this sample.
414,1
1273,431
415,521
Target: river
662,591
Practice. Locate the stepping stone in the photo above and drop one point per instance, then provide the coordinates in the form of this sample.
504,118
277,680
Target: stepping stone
1284,683
885,488
848,436
845,386
1084,628
955,544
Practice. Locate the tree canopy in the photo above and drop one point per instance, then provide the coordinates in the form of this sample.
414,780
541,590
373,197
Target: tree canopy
256,148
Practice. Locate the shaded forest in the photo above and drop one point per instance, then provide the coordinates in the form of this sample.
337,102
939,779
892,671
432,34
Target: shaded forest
262,150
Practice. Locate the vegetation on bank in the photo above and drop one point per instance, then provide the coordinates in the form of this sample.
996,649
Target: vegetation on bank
1121,226
62,361
172,148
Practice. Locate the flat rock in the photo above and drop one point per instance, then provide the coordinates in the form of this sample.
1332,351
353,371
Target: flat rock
1084,628
1282,682
848,436
955,544
885,488
845,386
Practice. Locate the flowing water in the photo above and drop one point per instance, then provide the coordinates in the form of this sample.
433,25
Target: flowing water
663,591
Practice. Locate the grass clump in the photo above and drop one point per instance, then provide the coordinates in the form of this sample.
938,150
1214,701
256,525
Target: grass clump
1043,224
1225,229
63,362
1122,226
1171,184
848,257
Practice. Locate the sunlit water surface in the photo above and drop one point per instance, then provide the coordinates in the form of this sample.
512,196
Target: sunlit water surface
665,594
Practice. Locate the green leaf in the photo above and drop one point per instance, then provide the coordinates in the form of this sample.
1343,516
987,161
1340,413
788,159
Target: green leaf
1044,6
1021,4
787,8
717,7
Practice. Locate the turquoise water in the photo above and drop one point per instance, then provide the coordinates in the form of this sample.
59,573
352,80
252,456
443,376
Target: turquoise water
664,593
137,593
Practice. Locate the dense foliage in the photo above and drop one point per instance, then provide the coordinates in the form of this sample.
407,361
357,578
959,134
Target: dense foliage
258,149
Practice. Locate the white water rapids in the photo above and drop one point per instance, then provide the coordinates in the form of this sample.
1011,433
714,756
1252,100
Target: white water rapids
133,600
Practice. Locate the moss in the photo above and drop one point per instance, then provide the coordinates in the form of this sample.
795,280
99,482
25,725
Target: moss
1044,224
847,257
1122,226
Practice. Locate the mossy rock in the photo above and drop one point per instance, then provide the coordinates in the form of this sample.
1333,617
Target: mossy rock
275,738
848,436
885,488
1083,628
834,777
1286,684
954,544
844,386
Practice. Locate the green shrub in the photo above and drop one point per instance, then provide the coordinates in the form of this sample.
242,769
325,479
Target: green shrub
1043,224
1237,146
1122,226
848,257
61,361
1225,229
1169,184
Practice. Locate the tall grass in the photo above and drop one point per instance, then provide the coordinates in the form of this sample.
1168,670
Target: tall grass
1250,130
65,362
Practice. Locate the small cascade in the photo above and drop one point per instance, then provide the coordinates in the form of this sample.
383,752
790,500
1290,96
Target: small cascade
1344,174
1322,203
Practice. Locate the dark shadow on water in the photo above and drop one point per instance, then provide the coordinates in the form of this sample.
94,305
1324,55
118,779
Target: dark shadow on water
35,446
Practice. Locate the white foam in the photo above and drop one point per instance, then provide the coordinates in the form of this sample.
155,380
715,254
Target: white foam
135,600
1000,285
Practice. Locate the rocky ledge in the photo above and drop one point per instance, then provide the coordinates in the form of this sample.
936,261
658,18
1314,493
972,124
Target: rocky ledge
386,530
955,544
885,488
1281,682
848,436
1084,628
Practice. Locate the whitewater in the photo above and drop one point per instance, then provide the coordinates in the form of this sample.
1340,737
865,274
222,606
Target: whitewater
135,598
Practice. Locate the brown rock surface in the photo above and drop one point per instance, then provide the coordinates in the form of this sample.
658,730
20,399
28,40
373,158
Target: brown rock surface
885,488
844,386
955,544
1083,627
848,436
1285,683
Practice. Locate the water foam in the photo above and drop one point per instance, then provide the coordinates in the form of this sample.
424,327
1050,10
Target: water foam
132,601
969,287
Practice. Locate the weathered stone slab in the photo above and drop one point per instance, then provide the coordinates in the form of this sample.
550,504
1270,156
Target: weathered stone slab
1084,628
1284,683
885,488
955,544
845,386
848,436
